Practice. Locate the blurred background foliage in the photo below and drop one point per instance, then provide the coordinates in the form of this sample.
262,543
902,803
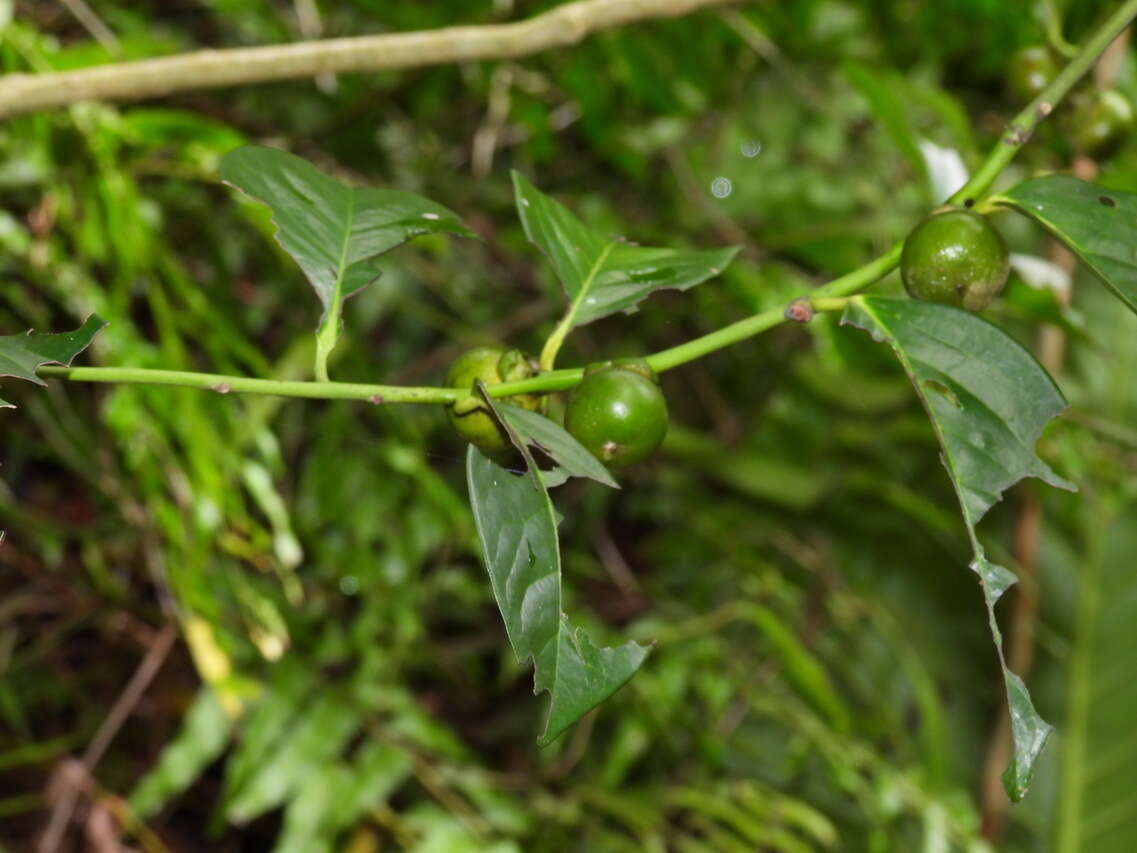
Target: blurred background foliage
822,679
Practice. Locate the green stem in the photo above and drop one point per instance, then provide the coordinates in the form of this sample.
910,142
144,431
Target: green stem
222,384
1053,26
325,343
862,277
1022,126
829,303
553,344
1018,133
724,337
557,338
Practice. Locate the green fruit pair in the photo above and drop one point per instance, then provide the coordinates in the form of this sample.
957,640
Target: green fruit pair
617,412
955,256
469,415
1098,123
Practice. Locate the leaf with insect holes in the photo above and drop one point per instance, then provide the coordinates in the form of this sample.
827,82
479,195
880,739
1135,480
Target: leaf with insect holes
334,232
988,400
20,355
602,274
518,530
1096,224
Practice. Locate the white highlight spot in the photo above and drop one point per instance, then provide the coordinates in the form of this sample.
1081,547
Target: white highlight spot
750,148
721,187
946,170
431,216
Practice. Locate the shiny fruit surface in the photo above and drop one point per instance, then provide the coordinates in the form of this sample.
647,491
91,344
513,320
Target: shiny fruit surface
955,256
1101,123
469,415
1031,70
618,412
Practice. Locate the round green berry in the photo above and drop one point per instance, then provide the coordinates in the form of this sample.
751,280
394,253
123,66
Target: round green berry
1101,123
617,412
1031,70
955,256
469,415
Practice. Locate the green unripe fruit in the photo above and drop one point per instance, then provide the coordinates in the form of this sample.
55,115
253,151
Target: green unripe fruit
1031,70
617,412
469,415
955,256
1101,123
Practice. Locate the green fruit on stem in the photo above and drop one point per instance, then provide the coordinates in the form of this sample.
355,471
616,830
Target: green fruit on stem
955,256
469,415
1031,70
617,412
1101,123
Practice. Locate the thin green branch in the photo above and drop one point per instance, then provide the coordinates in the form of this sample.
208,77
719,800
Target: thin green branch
829,303
1018,133
1023,126
1052,22
223,384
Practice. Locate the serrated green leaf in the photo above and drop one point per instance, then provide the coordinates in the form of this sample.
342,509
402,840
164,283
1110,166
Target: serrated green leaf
20,355
558,444
1096,224
602,274
518,531
334,232
988,400
203,735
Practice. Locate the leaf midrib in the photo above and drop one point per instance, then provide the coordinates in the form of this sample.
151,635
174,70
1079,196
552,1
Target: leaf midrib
557,338
342,267
590,279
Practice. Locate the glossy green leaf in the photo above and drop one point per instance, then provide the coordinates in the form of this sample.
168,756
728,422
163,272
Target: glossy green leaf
1096,224
20,355
334,232
559,445
518,531
988,400
600,273
203,735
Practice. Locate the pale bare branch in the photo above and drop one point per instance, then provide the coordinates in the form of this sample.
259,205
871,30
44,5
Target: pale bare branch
205,69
